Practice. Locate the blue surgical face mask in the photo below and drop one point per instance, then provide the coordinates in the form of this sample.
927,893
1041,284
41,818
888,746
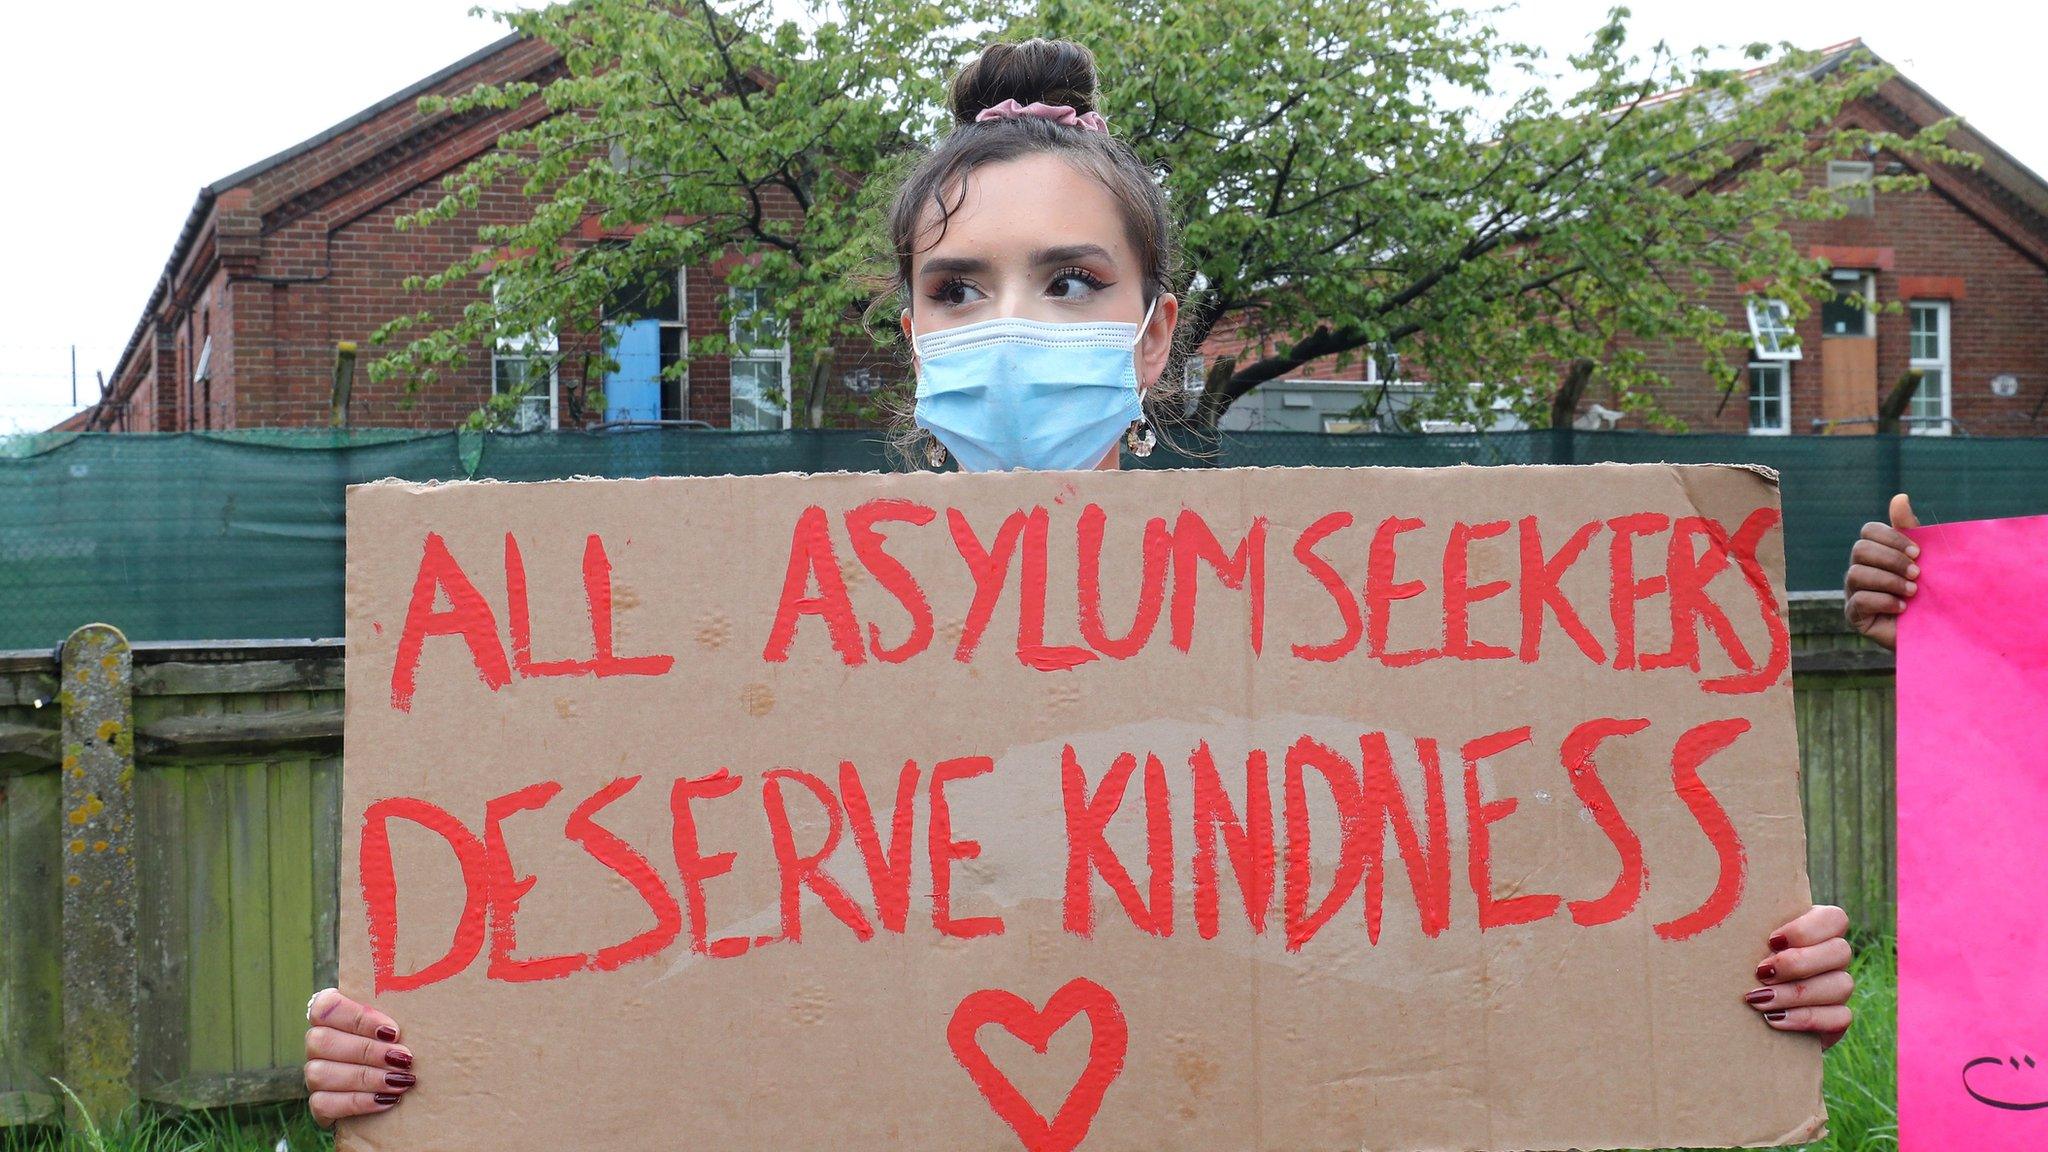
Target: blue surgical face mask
1015,393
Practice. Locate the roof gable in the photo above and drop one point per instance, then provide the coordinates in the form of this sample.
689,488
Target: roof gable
342,159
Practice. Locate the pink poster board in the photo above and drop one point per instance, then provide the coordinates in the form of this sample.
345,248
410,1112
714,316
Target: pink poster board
1973,840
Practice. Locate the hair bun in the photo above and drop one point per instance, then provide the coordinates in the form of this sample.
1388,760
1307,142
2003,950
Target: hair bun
1030,71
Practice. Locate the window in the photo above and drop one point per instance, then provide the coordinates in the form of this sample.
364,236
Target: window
1927,352
760,363
1849,180
1770,329
651,332
1851,309
1770,398
523,364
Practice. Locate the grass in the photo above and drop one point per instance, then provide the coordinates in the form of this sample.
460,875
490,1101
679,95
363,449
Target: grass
1861,1087
1862,1083
232,1130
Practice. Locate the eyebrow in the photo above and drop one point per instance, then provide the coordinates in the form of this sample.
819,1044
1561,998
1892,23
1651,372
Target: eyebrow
1060,254
1068,253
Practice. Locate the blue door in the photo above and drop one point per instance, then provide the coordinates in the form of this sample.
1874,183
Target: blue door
633,390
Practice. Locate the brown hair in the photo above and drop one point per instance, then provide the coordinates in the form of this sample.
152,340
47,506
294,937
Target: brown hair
1044,71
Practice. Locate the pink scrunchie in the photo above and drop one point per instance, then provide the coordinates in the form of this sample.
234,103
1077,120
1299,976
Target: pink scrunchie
1057,113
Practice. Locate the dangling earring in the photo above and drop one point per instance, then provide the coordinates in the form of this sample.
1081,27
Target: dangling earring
934,452
1139,439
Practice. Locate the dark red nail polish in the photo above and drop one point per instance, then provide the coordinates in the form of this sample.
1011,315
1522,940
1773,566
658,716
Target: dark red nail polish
1767,971
1774,1017
1760,996
400,1079
1779,943
387,1033
398,1059
387,1097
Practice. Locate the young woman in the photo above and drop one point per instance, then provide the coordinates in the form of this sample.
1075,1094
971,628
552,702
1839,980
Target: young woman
1036,259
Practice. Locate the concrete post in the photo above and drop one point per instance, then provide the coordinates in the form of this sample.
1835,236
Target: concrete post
98,803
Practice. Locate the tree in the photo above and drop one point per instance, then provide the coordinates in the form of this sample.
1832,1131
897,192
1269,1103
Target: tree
683,134
1342,197
1340,193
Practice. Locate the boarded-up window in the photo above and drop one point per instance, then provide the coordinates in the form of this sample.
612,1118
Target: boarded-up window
1849,180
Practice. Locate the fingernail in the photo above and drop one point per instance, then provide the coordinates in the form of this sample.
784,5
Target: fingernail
1913,550
1779,943
400,1079
1911,587
1767,972
387,1033
1774,1017
1760,996
387,1097
398,1058
1912,571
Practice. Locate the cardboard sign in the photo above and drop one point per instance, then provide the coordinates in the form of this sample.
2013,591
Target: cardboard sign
1973,804
1256,808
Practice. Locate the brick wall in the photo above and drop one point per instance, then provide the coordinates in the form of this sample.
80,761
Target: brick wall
276,331
1924,245
306,254
293,260
1932,244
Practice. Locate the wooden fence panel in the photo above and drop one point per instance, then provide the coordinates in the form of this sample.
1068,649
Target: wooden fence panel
1842,693
31,910
244,777
164,951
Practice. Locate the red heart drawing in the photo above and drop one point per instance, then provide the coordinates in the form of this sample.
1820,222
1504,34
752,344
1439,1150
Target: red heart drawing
1107,1041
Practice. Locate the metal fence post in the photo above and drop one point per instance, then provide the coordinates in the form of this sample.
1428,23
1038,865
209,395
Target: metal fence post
98,803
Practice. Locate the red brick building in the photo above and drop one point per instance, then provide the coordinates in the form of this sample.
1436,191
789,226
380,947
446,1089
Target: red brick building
281,262
1966,261
1965,258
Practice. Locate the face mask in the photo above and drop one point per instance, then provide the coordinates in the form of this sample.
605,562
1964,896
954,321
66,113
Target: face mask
1015,393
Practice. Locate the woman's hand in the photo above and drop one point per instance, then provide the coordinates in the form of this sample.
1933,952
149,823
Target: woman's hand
1805,980
354,1064
1883,575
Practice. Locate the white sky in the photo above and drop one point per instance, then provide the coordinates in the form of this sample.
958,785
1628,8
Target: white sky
119,113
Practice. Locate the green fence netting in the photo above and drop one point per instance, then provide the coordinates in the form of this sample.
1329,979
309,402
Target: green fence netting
221,536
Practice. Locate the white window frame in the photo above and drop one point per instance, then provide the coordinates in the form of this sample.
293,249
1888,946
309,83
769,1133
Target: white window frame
681,327
1865,285
1768,317
1784,370
1850,181
1941,310
524,347
746,354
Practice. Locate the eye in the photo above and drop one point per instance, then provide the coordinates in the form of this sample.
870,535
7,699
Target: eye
1075,284
954,293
